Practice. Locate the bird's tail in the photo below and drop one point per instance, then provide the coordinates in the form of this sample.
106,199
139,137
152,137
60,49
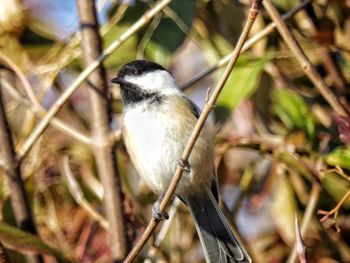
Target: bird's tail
218,241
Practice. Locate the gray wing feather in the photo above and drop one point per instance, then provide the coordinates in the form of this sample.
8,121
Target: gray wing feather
194,108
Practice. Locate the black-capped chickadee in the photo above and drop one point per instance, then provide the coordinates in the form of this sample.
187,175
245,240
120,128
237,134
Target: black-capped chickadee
158,121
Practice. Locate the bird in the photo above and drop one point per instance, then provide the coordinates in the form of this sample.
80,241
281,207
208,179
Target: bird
158,120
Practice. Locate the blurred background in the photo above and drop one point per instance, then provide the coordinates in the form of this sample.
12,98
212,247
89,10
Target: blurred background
281,151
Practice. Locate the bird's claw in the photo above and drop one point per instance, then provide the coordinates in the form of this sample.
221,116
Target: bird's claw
158,215
185,165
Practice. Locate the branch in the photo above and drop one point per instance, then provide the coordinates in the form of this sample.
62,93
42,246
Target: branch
55,108
335,210
253,12
78,195
104,150
304,62
19,197
248,44
62,54
309,212
41,112
326,56
300,246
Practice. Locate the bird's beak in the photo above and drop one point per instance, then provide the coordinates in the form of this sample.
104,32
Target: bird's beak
118,80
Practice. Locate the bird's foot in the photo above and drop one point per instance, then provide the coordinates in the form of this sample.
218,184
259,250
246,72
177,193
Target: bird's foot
156,213
185,165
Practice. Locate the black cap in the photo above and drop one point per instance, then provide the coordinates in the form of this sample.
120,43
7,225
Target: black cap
138,67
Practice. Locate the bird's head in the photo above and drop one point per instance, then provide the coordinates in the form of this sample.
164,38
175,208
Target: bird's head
142,80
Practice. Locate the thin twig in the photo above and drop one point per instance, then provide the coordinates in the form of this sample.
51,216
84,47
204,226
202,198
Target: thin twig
300,246
27,87
104,150
55,108
91,181
325,53
19,197
78,195
304,62
40,110
248,44
253,12
309,212
58,56
335,210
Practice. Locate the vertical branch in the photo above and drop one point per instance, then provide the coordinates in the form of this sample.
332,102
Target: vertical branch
103,147
56,107
19,198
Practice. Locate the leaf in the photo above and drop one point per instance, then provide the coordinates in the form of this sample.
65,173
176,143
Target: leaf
283,209
242,82
293,111
336,186
170,32
285,4
25,242
126,51
169,35
340,156
12,48
288,159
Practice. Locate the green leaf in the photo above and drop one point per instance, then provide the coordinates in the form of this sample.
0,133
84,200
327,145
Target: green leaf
292,162
13,49
242,82
283,209
293,111
285,4
336,186
25,242
340,156
171,31
125,52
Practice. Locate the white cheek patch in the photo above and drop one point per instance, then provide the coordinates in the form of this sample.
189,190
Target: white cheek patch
153,81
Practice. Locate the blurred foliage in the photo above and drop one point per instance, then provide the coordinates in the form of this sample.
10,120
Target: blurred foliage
340,156
294,112
242,82
24,242
273,128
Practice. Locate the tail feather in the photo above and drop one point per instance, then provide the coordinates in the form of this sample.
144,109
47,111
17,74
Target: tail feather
218,241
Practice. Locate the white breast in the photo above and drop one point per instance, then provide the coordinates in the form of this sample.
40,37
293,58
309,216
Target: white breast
155,136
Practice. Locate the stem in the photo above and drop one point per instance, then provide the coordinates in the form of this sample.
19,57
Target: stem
335,210
309,212
19,198
248,44
104,149
78,195
253,12
34,105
